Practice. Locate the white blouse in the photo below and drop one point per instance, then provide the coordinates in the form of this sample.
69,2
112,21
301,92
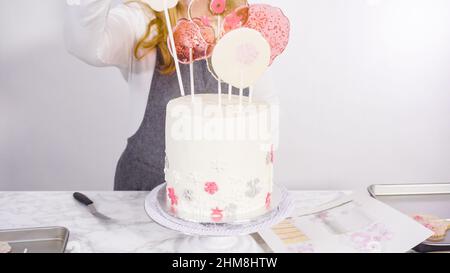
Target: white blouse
102,33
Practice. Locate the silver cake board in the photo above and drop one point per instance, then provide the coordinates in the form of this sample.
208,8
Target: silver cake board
231,237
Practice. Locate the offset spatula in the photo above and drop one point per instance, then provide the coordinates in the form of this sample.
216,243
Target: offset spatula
83,199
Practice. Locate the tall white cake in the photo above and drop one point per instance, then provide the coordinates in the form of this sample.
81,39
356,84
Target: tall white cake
219,159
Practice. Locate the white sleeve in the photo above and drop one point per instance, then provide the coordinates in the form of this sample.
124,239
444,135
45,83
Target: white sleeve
102,35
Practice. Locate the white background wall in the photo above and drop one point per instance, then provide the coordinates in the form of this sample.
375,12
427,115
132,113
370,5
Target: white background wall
364,84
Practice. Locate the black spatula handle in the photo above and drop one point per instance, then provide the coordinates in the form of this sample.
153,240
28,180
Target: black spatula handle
83,199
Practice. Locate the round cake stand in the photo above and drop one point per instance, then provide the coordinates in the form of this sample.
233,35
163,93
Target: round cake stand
221,237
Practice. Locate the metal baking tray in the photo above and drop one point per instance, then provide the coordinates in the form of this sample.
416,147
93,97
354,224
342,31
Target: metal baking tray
431,199
36,240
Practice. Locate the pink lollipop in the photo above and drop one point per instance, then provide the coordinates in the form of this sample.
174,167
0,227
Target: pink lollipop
193,35
206,30
269,21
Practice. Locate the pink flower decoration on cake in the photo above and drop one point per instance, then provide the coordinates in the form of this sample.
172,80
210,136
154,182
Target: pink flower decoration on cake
216,214
196,35
218,6
211,187
272,24
268,200
172,196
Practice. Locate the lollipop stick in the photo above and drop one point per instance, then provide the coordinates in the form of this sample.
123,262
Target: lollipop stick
191,73
230,91
172,43
241,90
218,26
241,95
250,94
219,82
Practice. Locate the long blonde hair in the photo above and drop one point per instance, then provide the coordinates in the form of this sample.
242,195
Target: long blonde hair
149,41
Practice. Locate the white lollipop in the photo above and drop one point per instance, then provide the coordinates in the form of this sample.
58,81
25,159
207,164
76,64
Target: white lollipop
158,5
241,57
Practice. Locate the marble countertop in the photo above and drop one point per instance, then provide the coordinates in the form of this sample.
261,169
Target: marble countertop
131,232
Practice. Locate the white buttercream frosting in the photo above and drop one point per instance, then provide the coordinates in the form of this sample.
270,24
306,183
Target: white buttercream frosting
219,158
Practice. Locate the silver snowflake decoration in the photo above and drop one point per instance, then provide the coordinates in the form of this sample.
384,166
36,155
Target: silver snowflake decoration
188,195
253,188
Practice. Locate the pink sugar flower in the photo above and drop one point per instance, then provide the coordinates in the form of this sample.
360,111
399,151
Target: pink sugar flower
172,196
211,187
216,214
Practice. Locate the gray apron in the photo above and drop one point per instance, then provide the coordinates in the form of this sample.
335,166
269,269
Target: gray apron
141,166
